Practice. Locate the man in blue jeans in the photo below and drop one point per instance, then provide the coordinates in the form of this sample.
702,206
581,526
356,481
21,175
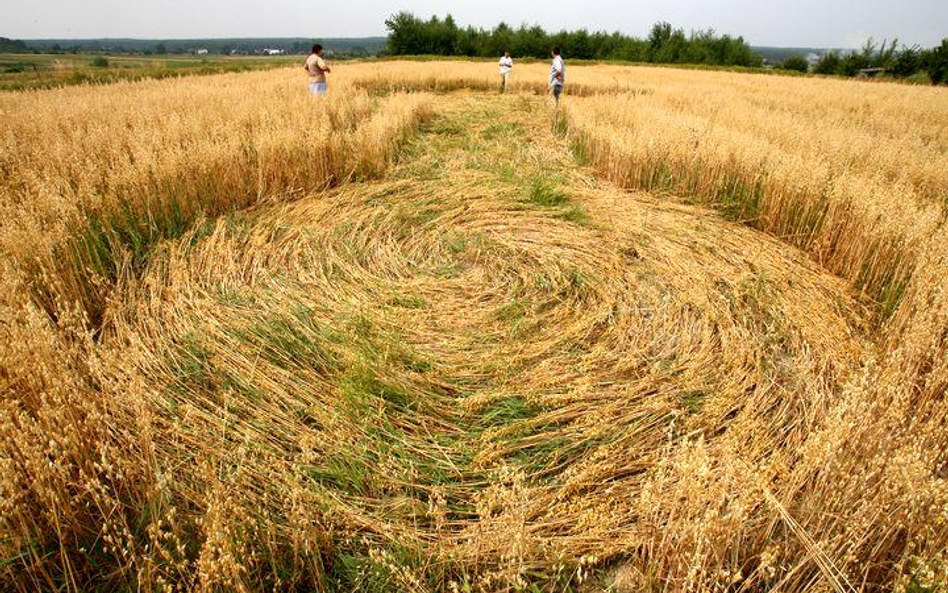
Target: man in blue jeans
317,70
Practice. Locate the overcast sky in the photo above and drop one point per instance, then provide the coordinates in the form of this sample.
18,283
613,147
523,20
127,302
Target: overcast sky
822,23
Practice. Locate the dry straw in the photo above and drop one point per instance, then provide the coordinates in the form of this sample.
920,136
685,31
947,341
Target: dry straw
403,341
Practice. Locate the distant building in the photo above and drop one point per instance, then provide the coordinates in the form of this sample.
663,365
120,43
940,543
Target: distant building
273,52
871,72
201,51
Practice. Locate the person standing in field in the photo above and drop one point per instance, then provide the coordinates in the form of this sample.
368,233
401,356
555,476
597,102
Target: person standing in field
506,65
317,69
557,75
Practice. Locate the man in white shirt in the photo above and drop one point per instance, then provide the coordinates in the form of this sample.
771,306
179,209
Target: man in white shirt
506,65
557,75
317,69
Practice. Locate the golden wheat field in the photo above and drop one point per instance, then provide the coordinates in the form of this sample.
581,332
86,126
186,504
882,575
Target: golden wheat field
688,332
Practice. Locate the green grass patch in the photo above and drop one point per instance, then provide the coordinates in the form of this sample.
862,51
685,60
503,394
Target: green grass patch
560,124
446,271
693,400
575,214
347,471
544,191
512,311
507,411
418,213
498,130
363,389
456,243
506,172
293,342
189,360
408,301
580,152
444,126
393,567
409,359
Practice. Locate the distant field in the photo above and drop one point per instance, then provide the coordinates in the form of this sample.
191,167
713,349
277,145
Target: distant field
686,332
37,71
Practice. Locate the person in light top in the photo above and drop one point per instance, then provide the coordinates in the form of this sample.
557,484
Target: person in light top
506,65
557,75
317,69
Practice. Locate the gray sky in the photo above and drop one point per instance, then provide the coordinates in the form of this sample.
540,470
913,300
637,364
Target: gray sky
837,23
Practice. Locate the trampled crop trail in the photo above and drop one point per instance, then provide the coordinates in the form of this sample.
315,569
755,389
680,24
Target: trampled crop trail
482,364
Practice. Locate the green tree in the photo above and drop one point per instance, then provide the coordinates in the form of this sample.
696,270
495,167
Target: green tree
936,63
501,40
658,37
448,37
796,62
12,46
907,62
530,41
404,33
853,63
469,42
580,45
829,63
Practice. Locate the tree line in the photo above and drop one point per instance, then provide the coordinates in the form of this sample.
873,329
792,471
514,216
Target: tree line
12,46
340,47
893,60
889,59
411,35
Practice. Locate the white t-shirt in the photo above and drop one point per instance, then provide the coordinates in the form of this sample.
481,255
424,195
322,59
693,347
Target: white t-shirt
558,67
506,64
